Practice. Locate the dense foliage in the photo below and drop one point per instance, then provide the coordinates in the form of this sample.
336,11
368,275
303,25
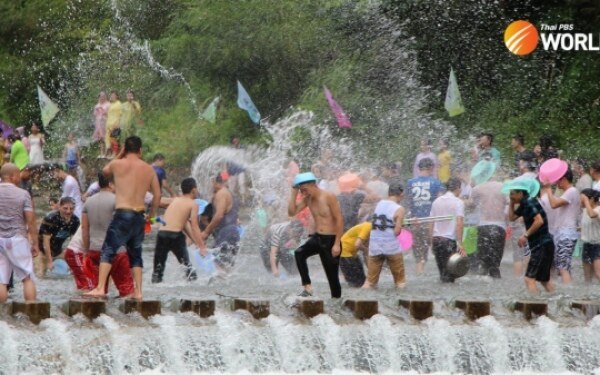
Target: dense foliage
387,63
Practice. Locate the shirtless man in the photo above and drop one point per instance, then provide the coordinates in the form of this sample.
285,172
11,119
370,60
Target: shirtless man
132,177
181,215
224,224
326,241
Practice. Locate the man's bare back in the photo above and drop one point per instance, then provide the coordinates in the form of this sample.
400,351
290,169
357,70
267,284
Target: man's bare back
179,212
133,177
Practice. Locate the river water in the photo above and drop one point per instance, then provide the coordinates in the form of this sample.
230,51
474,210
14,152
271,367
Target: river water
335,342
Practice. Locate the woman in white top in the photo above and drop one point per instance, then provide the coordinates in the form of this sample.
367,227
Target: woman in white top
383,245
36,144
563,225
590,234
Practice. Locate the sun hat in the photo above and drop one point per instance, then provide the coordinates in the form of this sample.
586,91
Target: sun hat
348,182
530,185
483,171
553,170
304,178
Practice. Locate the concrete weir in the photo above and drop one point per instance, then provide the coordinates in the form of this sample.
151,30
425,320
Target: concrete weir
35,311
362,309
531,309
473,309
144,308
418,309
310,307
259,309
588,308
91,309
204,308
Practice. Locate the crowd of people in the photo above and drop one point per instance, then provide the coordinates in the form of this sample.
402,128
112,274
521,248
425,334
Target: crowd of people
354,220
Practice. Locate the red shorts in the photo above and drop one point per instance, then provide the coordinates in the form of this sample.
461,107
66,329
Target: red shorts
76,261
120,271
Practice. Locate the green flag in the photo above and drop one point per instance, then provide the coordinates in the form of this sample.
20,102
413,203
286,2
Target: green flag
47,107
210,113
453,102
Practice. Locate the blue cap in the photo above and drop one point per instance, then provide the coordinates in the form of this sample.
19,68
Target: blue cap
304,178
201,205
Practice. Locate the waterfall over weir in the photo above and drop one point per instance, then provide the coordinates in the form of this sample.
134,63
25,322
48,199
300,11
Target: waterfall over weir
233,342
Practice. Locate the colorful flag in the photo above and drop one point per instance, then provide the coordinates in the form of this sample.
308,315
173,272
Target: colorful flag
47,106
245,103
341,117
210,113
453,102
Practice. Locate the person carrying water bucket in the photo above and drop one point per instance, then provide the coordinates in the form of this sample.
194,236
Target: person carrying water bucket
329,226
383,245
447,235
171,235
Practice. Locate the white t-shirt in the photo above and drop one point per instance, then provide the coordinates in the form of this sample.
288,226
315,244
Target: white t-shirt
447,204
590,227
565,217
71,189
384,242
550,213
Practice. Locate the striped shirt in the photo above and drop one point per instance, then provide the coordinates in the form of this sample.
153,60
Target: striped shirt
14,201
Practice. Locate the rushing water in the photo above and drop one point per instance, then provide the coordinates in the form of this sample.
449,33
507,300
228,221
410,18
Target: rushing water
234,342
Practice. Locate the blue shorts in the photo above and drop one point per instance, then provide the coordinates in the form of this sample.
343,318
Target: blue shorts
591,252
125,229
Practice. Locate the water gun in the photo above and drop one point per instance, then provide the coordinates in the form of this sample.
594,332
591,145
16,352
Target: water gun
152,220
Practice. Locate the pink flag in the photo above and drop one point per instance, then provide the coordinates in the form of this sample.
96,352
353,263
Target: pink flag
340,115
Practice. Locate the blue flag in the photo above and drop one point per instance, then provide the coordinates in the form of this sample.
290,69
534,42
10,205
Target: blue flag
245,103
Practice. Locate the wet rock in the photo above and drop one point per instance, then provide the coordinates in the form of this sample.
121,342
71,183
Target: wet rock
145,308
91,309
259,309
310,307
418,309
363,309
531,309
204,308
588,308
35,311
473,309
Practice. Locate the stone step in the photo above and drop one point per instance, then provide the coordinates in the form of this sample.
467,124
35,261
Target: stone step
35,311
473,309
90,308
259,309
204,308
309,307
145,308
362,309
531,309
588,308
418,309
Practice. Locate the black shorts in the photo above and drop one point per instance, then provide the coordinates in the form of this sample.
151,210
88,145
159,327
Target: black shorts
540,262
591,252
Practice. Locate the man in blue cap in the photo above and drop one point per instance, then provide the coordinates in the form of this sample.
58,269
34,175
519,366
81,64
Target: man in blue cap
329,226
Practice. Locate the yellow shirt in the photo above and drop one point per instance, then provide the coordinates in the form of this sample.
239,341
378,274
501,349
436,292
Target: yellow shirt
113,119
444,161
130,112
362,231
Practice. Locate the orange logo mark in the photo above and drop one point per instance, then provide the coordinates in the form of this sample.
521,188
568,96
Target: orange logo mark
521,37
